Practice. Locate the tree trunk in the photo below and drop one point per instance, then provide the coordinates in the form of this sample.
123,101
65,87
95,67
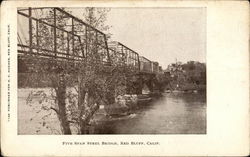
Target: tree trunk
81,107
83,127
83,99
87,111
62,106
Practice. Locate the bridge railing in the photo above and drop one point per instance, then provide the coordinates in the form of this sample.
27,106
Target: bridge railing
148,66
145,65
116,57
129,56
155,67
53,32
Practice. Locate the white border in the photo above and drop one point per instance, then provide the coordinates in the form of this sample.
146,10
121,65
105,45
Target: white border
227,95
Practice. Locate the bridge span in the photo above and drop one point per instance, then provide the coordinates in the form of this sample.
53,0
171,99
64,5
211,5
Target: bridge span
54,34
52,41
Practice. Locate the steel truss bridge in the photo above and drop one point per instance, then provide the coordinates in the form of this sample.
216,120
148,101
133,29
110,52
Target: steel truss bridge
55,33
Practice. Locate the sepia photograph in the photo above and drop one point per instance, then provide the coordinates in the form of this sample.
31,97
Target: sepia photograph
127,78
98,70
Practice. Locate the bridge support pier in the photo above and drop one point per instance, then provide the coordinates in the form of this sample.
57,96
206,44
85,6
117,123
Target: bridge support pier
136,83
148,80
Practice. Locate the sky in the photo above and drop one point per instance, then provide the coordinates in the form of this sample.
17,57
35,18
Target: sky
161,34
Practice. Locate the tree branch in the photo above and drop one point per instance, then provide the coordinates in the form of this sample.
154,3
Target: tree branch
57,112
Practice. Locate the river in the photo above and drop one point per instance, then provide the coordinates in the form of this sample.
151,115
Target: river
173,113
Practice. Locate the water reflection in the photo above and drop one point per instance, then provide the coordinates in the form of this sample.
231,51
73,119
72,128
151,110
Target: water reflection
173,113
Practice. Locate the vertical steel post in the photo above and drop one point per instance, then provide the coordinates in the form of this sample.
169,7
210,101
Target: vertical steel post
86,44
37,37
82,49
73,40
126,54
55,44
107,49
139,64
123,55
152,67
67,45
134,60
130,56
30,29
96,42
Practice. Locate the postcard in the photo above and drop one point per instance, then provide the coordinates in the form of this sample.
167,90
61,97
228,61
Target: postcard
127,78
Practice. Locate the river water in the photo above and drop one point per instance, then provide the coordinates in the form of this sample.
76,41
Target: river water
173,113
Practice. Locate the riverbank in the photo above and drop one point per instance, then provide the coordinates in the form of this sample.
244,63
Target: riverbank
186,91
172,113
126,104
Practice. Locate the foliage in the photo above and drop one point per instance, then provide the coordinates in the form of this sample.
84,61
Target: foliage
187,76
79,87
